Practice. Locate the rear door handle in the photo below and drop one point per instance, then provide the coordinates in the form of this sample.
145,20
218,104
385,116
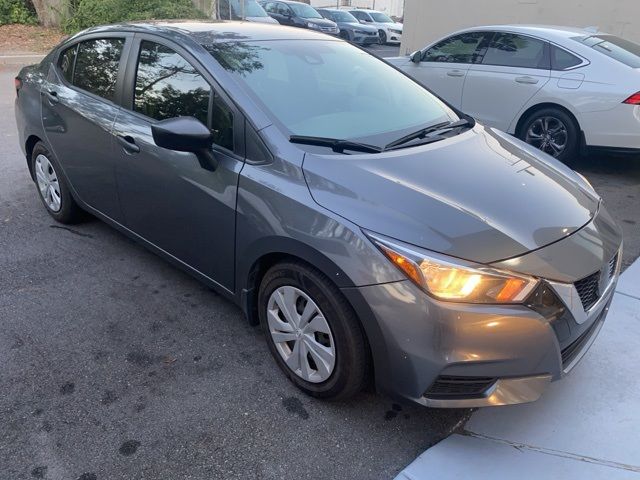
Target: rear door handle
128,143
52,96
527,80
455,73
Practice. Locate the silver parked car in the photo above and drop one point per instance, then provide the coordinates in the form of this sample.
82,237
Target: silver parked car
375,232
561,89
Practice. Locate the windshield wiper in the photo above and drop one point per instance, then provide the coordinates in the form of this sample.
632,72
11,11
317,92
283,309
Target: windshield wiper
428,131
335,144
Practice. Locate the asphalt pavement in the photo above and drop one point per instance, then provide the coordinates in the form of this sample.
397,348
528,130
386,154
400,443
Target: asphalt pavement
116,365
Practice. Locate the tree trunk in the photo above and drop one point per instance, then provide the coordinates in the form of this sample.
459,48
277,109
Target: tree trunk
49,12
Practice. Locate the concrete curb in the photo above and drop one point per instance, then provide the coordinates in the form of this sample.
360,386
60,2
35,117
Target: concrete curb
21,59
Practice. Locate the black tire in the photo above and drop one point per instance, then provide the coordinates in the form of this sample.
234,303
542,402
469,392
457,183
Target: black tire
69,212
350,372
383,37
345,35
570,152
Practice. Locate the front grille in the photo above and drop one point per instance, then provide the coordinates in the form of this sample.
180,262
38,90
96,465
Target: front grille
459,387
589,290
329,29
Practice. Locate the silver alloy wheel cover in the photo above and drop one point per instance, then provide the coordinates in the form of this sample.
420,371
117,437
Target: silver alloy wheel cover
287,326
48,184
548,134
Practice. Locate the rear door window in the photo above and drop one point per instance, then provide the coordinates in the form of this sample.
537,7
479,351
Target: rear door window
510,50
624,51
66,63
457,49
97,65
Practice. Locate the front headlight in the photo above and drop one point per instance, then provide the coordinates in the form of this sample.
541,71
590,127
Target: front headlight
315,26
455,280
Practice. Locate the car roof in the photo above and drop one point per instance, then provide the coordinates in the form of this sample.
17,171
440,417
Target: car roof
216,30
551,32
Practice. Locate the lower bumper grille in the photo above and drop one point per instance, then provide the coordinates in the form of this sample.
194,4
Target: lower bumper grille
572,350
459,387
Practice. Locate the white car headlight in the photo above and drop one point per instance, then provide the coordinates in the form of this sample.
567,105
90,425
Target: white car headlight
315,26
455,280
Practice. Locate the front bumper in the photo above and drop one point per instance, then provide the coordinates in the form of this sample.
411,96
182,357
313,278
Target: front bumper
362,39
393,37
449,355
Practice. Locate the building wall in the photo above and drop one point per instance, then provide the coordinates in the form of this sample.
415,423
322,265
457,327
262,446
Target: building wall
390,7
428,20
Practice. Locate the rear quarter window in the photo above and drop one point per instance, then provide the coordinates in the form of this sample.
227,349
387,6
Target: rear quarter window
66,63
563,60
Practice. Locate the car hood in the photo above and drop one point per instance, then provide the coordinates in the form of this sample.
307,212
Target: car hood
321,21
481,196
262,20
358,26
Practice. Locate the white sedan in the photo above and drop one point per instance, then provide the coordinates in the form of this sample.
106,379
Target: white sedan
563,90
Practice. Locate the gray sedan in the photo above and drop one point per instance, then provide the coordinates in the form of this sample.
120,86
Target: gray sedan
350,28
376,233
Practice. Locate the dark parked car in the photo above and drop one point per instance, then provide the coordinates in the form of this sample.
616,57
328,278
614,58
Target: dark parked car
297,14
350,28
372,230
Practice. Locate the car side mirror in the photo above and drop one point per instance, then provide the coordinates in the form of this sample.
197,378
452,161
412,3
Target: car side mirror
186,134
416,57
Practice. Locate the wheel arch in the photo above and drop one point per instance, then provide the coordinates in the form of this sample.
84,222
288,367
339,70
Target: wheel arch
267,252
29,145
540,106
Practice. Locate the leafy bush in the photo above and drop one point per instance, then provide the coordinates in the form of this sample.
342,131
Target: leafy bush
17,11
88,13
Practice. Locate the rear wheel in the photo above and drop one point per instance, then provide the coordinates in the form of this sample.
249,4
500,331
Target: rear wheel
382,37
53,188
554,132
312,332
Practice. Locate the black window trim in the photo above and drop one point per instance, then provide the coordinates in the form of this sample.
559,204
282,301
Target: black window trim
128,40
128,89
584,63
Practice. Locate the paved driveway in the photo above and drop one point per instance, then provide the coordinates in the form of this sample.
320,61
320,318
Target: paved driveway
117,365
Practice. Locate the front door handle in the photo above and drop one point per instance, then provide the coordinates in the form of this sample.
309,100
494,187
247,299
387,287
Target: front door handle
527,80
128,143
455,73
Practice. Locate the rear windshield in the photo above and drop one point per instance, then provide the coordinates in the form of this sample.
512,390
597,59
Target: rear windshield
617,48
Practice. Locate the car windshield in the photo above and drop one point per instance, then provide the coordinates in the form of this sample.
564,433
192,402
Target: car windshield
341,16
619,49
380,17
304,11
330,89
251,9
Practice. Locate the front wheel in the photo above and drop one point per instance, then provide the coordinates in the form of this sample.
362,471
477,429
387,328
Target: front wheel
382,39
554,132
312,332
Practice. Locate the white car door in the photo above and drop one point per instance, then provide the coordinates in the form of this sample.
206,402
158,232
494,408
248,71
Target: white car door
513,69
444,65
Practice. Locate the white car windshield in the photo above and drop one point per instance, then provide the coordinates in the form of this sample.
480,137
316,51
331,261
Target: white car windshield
330,89
304,11
380,17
